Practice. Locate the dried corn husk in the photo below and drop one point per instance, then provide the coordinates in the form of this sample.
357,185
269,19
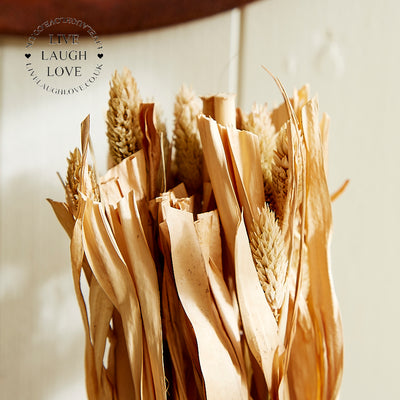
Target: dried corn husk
223,293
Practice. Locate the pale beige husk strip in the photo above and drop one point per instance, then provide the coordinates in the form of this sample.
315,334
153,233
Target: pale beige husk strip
259,324
186,139
221,180
208,231
224,109
218,362
123,129
269,255
113,276
143,271
258,121
323,303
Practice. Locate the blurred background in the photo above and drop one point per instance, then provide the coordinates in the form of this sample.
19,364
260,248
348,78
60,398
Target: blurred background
349,54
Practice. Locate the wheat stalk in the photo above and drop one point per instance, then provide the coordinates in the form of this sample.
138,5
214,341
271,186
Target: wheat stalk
186,139
73,180
280,173
268,250
123,128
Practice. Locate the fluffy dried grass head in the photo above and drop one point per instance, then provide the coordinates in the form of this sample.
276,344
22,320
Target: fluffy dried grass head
73,181
186,139
280,173
123,127
269,255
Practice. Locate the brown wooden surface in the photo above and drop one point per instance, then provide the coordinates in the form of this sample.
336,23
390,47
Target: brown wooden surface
21,17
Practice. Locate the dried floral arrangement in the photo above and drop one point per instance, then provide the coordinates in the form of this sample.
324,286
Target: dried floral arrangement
207,257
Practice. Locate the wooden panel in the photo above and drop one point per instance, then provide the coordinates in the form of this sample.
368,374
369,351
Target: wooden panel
111,16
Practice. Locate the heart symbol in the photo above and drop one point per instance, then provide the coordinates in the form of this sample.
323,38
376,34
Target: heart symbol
27,55
100,55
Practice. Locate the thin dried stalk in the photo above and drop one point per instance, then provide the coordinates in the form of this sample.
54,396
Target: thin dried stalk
159,119
123,129
269,255
300,98
72,185
186,139
166,147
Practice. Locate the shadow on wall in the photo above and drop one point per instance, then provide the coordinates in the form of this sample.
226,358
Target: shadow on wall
42,336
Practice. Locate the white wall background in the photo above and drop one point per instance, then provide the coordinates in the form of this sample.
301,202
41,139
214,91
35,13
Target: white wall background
347,51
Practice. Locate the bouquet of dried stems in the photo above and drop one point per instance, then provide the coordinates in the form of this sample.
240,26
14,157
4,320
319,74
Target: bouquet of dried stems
206,257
